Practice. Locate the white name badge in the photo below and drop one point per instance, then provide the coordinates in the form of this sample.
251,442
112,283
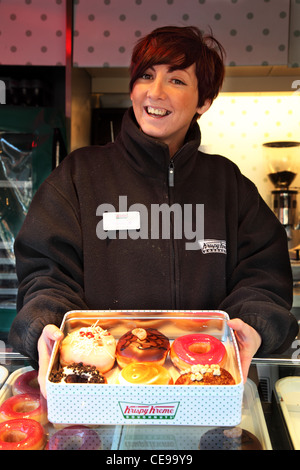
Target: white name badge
121,221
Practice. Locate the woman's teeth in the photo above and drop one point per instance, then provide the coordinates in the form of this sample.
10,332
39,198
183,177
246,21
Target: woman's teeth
156,111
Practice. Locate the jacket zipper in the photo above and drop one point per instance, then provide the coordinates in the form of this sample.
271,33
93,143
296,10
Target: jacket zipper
171,170
171,183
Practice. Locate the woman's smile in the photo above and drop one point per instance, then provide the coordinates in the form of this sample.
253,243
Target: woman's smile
156,112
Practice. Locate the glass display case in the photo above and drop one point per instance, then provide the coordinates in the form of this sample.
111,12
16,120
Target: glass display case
32,143
270,414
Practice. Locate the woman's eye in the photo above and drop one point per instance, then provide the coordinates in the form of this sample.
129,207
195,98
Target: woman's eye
146,76
176,81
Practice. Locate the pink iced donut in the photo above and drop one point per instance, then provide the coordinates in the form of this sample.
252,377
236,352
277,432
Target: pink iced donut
21,434
195,349
24,406
26,383
75,438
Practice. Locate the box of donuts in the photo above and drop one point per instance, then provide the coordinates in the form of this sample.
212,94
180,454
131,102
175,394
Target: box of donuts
145,367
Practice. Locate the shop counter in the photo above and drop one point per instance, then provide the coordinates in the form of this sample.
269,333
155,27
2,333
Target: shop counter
270,414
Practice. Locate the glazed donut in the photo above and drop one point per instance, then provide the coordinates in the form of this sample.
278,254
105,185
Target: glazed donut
144,374
226,438
75,438
206,375
142,345
77,373
26,383
21,434
92,346
197,349
24,406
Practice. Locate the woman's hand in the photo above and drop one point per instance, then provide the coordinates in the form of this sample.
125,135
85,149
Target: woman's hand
50,334
248,342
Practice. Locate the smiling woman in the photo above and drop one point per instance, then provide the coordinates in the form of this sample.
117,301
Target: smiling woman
180,48
165,102
233,264
174,78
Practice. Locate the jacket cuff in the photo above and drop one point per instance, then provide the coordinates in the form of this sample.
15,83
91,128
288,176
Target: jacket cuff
274,340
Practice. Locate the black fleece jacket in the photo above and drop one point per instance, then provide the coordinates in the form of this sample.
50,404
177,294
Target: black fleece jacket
66,261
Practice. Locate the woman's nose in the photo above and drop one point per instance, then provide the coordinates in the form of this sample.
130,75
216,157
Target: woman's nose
156,89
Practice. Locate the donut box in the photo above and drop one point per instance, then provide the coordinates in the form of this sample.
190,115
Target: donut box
114,403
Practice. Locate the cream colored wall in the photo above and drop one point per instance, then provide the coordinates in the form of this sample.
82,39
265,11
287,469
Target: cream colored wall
237,125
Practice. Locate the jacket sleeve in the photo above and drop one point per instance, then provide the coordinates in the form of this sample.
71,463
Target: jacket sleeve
49,267
260,285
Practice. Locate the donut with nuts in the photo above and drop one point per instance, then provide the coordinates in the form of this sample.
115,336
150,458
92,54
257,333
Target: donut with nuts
146,345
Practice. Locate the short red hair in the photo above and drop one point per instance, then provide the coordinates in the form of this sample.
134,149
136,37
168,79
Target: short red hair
181,47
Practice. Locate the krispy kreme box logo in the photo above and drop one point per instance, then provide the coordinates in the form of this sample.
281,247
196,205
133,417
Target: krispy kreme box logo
151,411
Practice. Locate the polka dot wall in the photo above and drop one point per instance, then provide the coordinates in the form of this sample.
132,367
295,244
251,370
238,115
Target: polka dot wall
32,32
294,36
253,32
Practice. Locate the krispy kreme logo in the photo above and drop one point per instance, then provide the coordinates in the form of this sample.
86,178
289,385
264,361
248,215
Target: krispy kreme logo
151,411
212,246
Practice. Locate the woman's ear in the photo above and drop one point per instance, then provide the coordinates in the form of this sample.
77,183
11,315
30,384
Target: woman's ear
201,110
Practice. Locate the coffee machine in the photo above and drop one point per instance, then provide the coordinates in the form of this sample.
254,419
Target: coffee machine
283,160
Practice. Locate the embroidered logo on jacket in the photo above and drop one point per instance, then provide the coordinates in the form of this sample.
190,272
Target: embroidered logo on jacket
212,246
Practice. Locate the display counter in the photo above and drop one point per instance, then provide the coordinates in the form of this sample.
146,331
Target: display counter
270,412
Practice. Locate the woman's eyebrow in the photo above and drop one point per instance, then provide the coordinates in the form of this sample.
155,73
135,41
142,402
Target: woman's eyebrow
175,69
171,69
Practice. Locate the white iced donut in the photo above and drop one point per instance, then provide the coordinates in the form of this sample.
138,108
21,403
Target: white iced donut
92,346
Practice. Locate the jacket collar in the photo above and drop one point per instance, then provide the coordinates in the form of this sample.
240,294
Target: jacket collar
150,156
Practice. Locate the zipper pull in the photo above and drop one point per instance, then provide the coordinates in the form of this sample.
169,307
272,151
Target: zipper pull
171,174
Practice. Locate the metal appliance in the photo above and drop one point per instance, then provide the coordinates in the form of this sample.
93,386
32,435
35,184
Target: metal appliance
283,158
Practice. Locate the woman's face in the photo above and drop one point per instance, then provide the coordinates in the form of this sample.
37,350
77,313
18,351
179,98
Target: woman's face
165,103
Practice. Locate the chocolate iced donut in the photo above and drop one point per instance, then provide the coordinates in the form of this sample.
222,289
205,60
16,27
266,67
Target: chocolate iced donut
142,345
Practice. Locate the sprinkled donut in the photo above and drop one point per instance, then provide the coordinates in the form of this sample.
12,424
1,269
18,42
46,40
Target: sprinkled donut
194,349
142,345
21,434
77,373
144,374
91,346
206,375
